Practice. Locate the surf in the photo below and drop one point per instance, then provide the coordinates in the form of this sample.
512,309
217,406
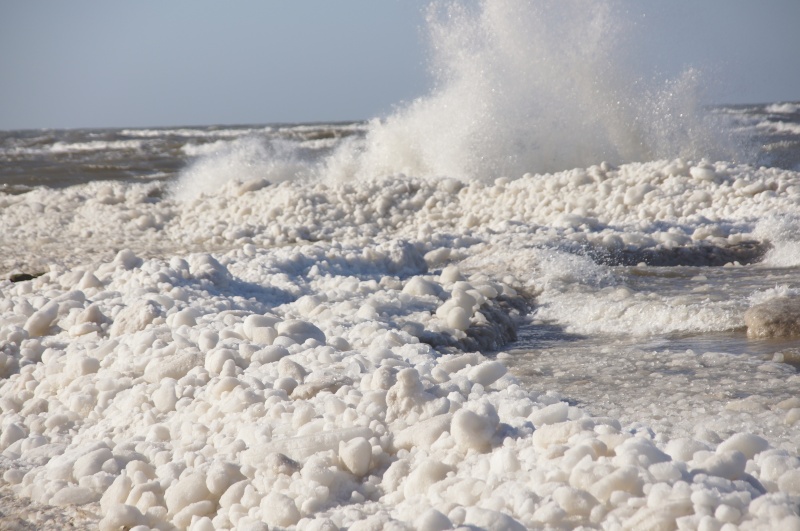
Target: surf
515,88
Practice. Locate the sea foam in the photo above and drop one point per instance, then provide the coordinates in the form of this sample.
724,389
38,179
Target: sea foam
304,341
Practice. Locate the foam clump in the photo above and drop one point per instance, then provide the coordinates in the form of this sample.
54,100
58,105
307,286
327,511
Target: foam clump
779,317
40,321
122,517
300,331
433,520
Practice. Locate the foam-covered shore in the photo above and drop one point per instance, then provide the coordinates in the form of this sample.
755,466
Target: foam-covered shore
621,213
315,354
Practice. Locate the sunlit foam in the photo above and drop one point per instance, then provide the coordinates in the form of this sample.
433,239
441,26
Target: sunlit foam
783,232
245,159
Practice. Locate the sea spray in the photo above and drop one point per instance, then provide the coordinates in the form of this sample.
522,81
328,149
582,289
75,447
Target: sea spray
251,157
517,87
539,87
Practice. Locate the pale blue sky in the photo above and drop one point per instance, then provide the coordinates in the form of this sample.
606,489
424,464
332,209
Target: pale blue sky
92,63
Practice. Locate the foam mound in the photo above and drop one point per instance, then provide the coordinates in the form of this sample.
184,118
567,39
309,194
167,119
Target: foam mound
779,317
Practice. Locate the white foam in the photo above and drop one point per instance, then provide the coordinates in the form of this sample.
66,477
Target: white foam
194,133
269,347
782,231
250,158
783,108
78,147
209,148
789,128
304,363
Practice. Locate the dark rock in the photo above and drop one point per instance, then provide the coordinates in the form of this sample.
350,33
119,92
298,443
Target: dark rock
500,328
22,277
703,255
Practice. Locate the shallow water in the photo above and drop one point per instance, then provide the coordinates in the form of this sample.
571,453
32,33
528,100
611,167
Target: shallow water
682,383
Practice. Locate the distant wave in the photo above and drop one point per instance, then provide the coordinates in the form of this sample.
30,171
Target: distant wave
76,147
784,108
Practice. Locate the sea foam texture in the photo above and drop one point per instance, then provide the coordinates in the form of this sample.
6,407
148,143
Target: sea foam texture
297,354
294,379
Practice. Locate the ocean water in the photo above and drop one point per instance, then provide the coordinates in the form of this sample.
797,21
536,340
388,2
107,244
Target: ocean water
60,158
523,300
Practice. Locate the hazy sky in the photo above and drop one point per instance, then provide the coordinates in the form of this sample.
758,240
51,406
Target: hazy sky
93,63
